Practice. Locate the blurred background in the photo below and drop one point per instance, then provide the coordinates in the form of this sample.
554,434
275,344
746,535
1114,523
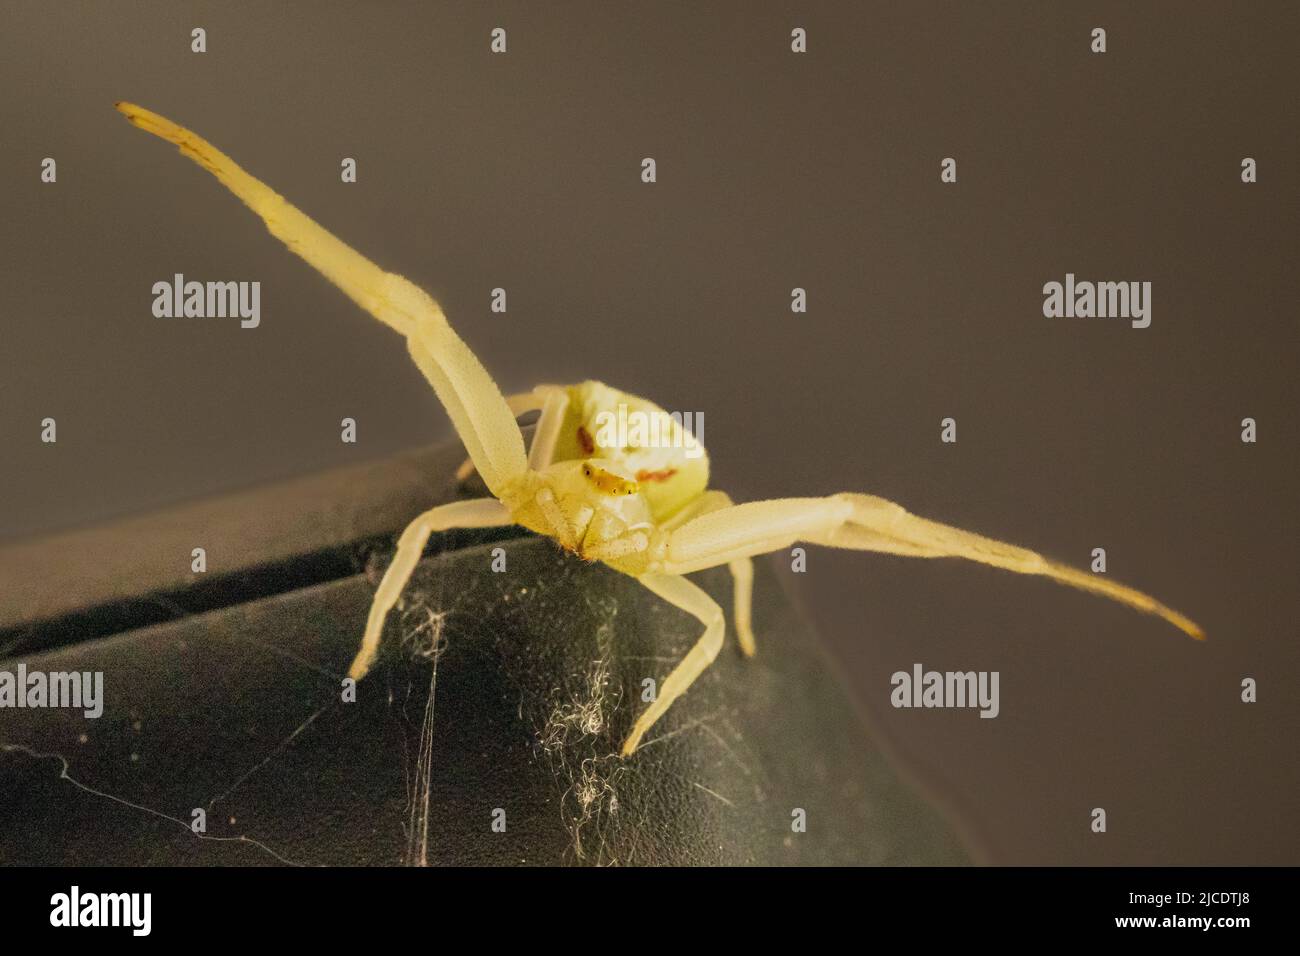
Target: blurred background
775,170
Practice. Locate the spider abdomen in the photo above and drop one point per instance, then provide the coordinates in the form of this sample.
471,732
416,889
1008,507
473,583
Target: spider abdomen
661,451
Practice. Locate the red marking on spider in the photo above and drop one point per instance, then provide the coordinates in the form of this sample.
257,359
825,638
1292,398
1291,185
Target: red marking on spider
664,475
584,439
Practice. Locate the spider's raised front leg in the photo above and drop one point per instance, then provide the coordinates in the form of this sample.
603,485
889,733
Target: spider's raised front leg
690,598
482,418
868,523
479,513
477,409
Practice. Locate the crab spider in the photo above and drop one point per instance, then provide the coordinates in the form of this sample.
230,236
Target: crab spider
645,511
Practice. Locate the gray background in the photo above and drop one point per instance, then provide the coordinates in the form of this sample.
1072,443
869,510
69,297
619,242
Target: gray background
775,171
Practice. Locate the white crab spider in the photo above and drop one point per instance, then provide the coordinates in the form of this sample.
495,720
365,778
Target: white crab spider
645,511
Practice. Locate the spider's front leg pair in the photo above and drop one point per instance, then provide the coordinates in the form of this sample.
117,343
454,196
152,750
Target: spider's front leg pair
480,414
482,417
726,534
477,513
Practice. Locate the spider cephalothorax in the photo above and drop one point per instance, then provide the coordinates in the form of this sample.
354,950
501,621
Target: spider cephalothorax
610,476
